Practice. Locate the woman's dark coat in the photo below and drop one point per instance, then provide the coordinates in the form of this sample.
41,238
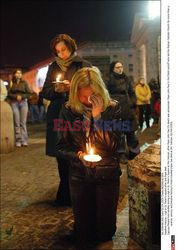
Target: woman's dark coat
57,99
120,88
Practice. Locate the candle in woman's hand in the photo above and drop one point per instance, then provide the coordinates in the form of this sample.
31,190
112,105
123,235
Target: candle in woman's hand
58,78
92,157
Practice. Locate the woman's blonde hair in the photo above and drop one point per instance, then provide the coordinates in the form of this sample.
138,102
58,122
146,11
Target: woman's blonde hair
87,77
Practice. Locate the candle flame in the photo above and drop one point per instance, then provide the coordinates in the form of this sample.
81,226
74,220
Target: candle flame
91,151
58,77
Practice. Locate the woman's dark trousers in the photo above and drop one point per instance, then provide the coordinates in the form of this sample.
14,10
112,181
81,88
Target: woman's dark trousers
63,194
94,207
144,114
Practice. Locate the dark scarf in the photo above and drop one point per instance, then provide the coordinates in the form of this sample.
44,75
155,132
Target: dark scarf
119,76
64,64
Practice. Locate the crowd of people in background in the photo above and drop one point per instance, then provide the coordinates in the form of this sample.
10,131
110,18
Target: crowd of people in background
37,110
82,94
142,98
27,105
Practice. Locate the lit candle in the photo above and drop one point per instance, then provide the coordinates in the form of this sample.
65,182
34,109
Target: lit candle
92,157
58,78
91,151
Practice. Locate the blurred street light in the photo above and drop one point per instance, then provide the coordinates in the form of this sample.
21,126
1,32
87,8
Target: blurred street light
5,83
153,9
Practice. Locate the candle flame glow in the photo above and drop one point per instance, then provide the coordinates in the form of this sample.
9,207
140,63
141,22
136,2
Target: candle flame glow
58,77
91,157
91,151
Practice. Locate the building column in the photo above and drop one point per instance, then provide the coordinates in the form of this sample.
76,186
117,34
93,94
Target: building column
142,62
152,62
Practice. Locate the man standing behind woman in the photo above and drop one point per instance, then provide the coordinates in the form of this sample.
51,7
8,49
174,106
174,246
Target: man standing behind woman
18,94
63,68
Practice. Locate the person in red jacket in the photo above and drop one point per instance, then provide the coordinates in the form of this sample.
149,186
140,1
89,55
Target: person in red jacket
157,109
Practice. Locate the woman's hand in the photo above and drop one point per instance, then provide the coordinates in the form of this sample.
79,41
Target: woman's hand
146,101
62,87
19,98
97,105
85,163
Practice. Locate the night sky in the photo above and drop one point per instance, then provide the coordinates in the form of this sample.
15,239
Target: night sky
28,26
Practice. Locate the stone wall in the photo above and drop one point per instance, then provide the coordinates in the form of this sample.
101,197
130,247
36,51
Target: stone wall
144,178
7,140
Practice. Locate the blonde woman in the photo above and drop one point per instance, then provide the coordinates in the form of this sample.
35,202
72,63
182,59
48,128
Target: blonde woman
143,95
94,186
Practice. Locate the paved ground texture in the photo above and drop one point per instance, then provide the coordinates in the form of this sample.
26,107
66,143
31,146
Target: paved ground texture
29,181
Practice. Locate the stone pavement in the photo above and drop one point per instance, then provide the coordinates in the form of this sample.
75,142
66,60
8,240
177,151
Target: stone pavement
29,182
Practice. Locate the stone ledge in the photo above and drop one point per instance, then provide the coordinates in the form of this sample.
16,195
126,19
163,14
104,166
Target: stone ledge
145,168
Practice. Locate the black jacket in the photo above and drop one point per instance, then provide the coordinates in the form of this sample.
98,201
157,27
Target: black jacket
120,88
57,99
106,144
21,88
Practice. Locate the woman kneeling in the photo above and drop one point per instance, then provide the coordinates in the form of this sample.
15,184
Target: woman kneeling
94,186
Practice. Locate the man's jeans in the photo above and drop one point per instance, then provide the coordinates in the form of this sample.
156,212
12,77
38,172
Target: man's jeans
34,113
20,112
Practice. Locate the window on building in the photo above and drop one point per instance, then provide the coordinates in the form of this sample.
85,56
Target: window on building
129,55
131,79
102,62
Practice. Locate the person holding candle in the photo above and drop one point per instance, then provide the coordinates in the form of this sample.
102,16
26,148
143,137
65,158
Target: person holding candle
55,89
94,185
